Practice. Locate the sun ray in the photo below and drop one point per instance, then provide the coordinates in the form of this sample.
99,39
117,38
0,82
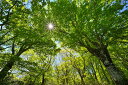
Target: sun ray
50,26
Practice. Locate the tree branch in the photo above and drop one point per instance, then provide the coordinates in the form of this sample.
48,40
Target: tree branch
8,14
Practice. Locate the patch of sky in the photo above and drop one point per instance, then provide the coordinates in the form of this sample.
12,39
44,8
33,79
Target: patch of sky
125,3
27,4
58,44
24,57
124,8
6,49
59,57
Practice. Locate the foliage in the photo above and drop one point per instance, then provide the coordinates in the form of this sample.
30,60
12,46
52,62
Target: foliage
86,46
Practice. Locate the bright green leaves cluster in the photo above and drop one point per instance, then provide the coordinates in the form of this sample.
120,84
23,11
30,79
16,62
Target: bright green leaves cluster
96,22
23,32
93,24
28,25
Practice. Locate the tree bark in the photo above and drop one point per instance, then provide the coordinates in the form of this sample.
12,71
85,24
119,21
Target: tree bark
43,79
116,74
94,73
6,68
81,75
12,60
9,65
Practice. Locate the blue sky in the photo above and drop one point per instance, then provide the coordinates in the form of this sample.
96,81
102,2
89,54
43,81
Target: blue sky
124,8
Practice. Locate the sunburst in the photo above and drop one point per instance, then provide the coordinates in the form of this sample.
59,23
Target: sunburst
50,26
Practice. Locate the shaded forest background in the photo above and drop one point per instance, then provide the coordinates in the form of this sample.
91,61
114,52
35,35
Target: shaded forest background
85,44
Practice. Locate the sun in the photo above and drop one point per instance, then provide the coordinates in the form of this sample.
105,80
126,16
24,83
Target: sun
50,26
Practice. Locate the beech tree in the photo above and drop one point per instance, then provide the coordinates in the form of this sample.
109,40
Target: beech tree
20,31
95,25
63,42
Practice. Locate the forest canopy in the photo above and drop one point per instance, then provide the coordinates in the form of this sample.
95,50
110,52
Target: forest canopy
63,42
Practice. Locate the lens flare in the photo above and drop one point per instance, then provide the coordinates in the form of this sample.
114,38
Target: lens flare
50,26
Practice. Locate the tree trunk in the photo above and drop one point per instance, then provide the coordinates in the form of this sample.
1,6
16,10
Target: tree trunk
94,73
81,76
12,60
43,79
82,81
6,68
116,74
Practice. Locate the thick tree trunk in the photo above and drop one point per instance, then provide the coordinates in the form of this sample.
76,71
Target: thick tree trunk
116,74
6,68
12,60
